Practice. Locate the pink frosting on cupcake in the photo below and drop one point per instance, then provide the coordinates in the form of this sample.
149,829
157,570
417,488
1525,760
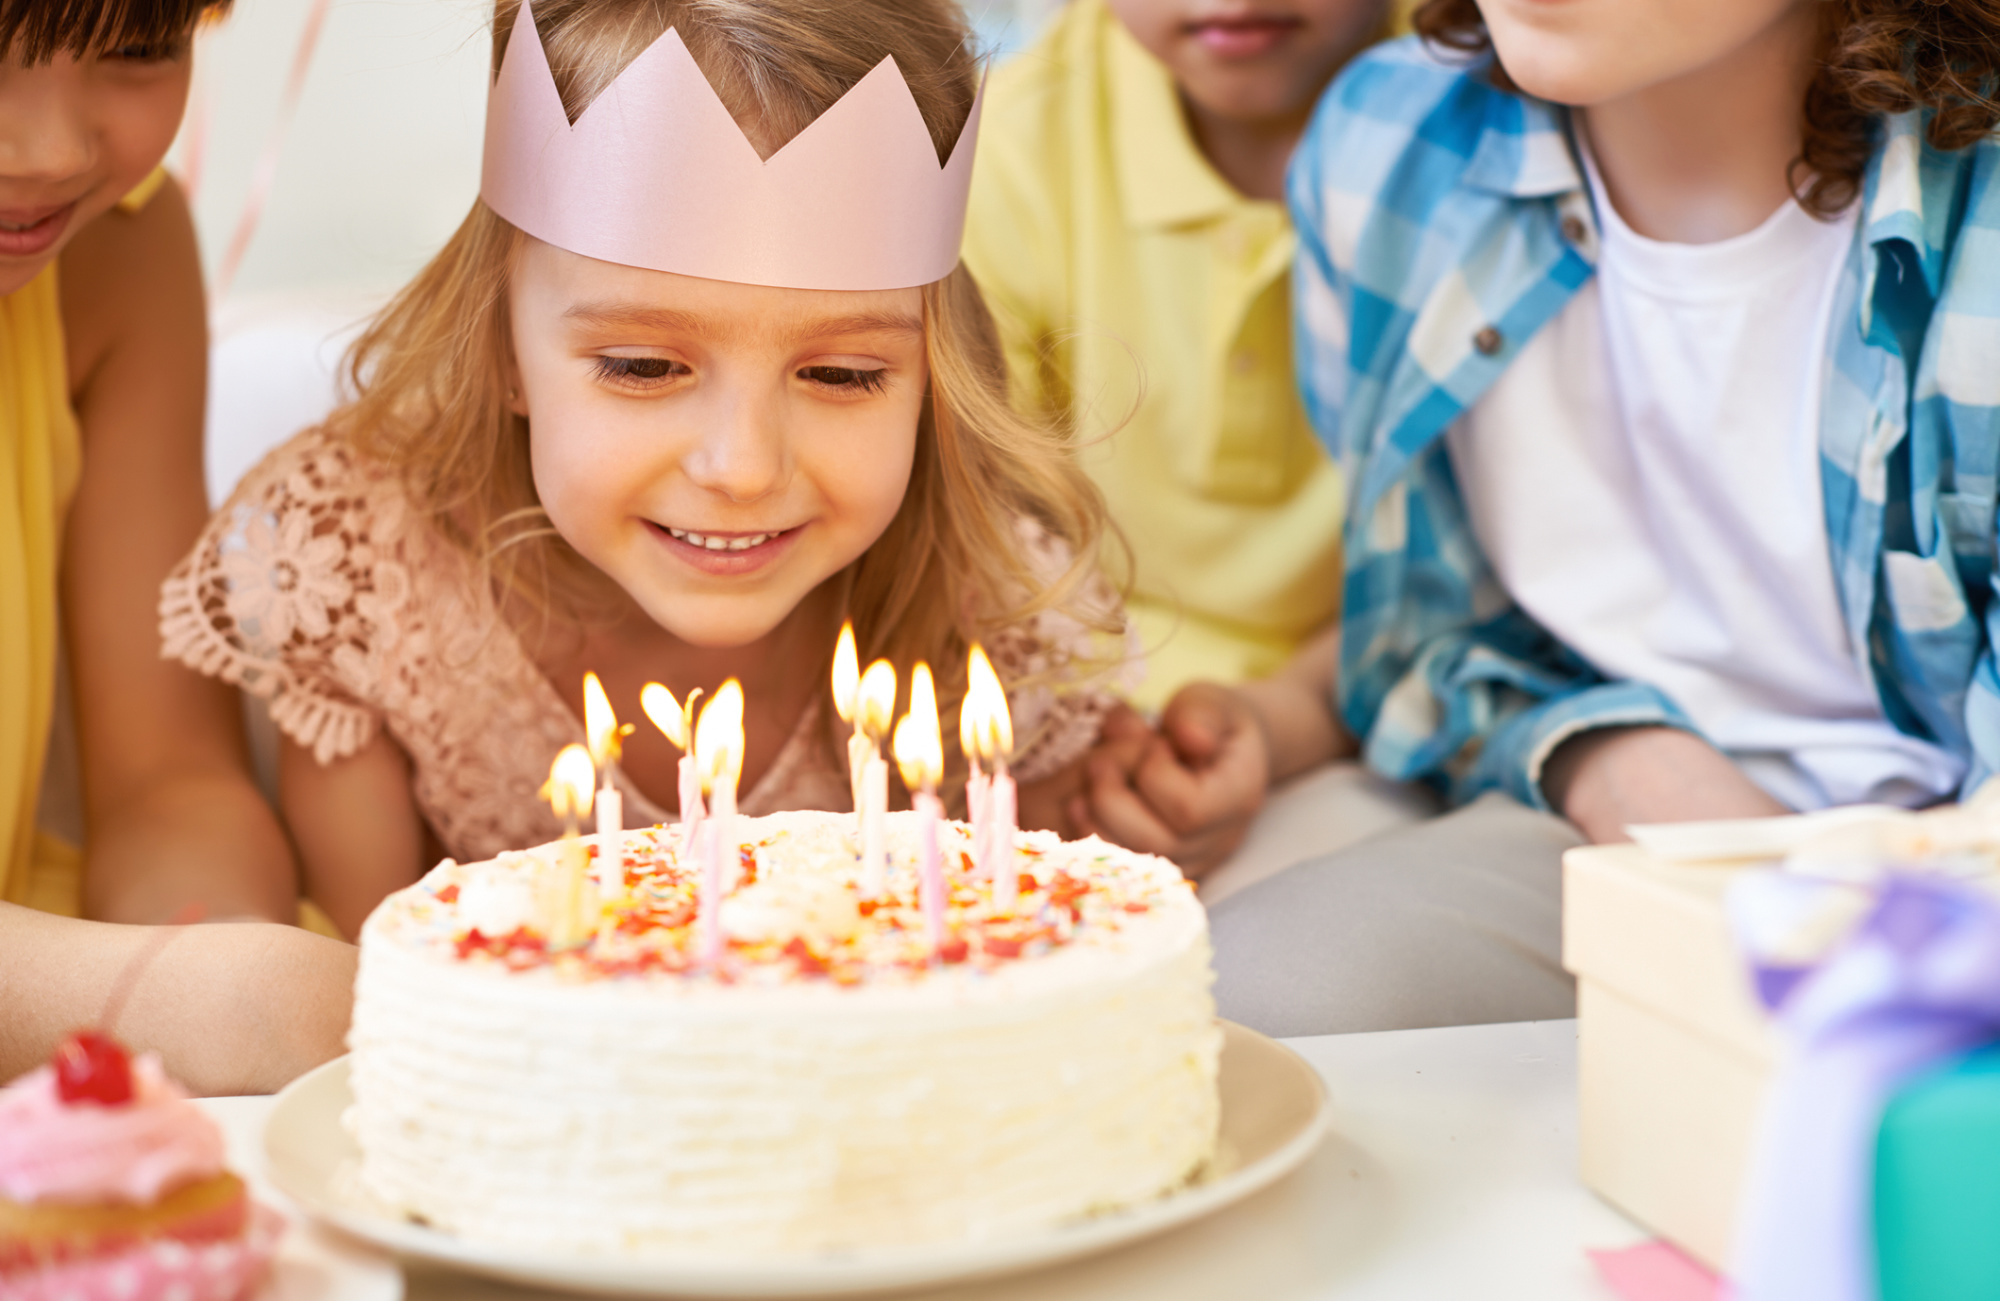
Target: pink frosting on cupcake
84,1153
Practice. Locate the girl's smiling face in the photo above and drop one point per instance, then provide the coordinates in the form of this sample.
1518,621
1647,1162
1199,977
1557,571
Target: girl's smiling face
76,135
718,449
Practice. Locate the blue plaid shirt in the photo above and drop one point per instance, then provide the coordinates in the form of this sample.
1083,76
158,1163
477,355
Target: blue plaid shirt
1442,222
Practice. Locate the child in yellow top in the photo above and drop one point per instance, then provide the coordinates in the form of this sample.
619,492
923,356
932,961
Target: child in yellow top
1128,228
102,359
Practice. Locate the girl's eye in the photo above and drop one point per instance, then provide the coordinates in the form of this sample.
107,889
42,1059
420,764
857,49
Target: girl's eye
146,52
845,377
638,370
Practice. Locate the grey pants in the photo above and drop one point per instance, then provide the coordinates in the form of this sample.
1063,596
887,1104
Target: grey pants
1454,921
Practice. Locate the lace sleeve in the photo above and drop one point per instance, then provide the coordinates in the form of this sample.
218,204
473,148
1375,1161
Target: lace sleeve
1066,669
272,597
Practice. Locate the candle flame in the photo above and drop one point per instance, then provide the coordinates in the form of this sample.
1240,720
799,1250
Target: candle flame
671,716
600,724
846,673
919,748
572,783
875,703
985,729
718,738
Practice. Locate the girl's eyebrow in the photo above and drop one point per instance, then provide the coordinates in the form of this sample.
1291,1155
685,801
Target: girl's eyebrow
674,321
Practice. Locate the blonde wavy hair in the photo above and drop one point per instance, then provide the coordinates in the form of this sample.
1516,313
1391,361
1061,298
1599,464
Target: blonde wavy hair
430,374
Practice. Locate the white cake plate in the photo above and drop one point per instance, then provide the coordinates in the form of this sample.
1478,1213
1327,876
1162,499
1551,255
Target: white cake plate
1274,1113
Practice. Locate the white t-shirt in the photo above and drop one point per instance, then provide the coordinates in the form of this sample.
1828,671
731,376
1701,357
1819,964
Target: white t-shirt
1645,479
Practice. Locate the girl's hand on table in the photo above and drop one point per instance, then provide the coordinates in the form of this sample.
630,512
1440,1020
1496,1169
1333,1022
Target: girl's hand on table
1187,791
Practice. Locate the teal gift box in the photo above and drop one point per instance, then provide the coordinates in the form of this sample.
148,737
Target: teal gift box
1937,1185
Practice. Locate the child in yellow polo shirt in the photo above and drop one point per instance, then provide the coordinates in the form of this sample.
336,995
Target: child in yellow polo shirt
1128,229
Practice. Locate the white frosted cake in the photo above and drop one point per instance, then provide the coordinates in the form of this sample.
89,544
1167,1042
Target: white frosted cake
828,1085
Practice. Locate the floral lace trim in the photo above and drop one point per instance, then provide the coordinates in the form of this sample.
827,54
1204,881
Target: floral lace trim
267,597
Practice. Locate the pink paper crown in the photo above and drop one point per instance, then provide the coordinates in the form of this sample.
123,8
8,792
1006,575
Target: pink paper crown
657,174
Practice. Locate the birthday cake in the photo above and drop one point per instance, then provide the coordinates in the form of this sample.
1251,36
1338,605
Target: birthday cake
841,1075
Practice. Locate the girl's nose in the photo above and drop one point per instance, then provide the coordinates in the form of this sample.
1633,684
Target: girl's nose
742,453
45,128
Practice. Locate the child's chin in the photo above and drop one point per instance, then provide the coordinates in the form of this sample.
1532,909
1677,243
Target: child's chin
719,623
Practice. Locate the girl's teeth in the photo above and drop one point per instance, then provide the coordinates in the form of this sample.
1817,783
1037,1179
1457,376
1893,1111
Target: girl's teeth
722,544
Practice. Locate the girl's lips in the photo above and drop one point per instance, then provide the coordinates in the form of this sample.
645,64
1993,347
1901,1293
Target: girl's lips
725,562
1243,38
26,232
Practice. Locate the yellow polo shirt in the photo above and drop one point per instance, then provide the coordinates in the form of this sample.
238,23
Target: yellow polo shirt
1137,289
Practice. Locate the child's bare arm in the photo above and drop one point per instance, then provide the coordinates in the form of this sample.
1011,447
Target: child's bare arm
356,825
232,1009
1612,778
173,816
1295,708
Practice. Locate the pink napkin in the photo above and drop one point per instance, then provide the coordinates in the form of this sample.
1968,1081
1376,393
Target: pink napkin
1654,1271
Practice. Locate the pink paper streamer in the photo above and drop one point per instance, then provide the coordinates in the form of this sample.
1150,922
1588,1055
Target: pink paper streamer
1655,1271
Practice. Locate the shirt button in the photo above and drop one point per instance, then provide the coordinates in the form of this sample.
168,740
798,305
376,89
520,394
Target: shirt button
1489,341
1574,230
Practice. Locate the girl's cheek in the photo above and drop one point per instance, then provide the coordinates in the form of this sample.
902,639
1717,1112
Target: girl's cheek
873,486
138,121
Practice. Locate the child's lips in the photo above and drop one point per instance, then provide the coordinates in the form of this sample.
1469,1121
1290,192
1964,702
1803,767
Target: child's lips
1245,37
25,232
726,554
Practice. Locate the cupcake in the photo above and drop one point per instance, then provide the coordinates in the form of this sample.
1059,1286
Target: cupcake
112,1186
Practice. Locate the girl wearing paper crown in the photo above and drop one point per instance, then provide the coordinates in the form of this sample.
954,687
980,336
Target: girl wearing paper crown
698,378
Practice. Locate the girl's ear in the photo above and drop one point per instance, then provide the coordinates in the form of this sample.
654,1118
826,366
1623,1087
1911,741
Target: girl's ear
517,401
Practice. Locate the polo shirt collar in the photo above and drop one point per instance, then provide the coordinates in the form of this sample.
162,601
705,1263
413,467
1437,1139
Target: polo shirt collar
1163,179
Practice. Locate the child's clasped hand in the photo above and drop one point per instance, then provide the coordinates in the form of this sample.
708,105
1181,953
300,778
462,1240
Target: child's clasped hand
1186,790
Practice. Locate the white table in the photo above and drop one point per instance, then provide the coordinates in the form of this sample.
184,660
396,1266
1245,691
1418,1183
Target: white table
1450,1173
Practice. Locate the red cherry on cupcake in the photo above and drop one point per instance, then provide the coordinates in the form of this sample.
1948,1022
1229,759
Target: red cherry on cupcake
91,1067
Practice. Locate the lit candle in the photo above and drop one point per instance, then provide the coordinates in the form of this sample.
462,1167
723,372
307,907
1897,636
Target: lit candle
846,703
676,721
986,730
718,750
920,755
875,710
569,899
600,725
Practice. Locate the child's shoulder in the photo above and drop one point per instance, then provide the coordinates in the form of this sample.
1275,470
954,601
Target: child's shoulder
318,485
304,584
130,279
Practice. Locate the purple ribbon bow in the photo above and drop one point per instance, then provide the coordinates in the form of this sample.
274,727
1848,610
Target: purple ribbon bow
1915,983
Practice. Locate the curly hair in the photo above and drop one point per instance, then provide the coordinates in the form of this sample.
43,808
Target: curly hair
1876,57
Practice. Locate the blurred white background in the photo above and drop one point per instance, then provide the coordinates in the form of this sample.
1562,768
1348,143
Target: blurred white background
376,169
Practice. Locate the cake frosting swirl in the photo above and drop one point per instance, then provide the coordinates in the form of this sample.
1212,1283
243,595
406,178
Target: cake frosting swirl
833,1082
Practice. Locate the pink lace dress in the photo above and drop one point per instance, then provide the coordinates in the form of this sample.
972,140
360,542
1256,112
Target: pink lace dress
318,588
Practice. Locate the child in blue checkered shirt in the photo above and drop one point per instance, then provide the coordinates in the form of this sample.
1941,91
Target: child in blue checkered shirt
1661,342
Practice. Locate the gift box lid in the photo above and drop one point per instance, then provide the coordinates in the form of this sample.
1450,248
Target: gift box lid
1656,933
